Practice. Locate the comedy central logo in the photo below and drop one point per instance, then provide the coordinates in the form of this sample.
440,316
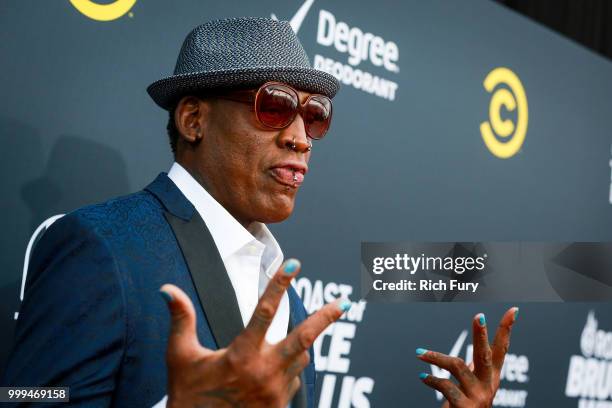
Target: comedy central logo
503,138
103,12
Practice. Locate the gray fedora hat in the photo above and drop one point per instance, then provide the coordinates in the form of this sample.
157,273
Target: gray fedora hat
240,53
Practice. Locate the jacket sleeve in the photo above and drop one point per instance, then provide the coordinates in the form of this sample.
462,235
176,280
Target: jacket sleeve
72,326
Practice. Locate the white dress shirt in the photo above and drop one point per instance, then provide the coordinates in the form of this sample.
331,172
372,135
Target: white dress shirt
251,255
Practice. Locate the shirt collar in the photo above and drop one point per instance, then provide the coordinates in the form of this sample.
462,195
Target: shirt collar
273,255
229,235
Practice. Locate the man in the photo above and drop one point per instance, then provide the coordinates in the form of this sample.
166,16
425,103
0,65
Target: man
244,108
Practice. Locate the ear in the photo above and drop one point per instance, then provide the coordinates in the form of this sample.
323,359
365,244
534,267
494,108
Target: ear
190,116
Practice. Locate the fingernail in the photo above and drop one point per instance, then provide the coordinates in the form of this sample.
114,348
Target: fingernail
291,266
167,297
345,305
481,320
421,351
516,310
423,376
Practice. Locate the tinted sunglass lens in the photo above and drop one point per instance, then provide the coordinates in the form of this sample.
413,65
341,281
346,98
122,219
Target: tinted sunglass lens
276,107
317,117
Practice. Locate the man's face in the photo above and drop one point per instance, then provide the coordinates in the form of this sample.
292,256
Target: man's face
250,169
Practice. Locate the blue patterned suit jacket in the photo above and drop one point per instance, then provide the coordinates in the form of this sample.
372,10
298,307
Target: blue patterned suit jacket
92,318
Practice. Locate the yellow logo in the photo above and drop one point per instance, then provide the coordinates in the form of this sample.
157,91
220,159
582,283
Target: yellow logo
103,12
509,137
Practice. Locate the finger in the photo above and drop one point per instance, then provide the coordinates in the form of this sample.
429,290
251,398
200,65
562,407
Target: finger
183,339
303,336
297,365
448,388
501,343
455,365
269,301
482,352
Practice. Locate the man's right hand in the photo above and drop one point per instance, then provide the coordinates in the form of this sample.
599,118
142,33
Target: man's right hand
250,371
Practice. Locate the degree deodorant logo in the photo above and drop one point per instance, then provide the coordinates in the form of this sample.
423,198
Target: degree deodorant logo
103,12
503,137
369,57
38,233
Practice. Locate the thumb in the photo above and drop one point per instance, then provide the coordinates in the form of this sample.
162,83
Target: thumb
183,340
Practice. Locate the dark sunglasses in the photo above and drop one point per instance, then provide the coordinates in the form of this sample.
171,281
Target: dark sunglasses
277,104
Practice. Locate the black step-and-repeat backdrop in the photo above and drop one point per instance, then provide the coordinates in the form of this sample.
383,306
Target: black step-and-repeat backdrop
457,121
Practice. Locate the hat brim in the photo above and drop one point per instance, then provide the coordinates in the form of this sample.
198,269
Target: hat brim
167,92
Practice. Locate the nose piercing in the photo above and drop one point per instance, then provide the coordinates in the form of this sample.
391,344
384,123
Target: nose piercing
293,145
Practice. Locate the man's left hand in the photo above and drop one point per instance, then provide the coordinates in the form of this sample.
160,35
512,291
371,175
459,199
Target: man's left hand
478,383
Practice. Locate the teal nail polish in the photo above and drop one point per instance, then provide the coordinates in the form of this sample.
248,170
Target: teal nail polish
421,351
167,297
291,266
345,305
516,310
481,320
423,376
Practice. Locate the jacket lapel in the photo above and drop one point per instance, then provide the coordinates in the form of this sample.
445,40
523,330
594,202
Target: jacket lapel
211,281
296,316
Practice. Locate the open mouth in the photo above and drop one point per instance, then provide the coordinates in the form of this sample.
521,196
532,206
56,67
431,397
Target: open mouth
289,175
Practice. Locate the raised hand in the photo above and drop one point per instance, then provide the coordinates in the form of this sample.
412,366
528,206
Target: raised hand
479,382
250,371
